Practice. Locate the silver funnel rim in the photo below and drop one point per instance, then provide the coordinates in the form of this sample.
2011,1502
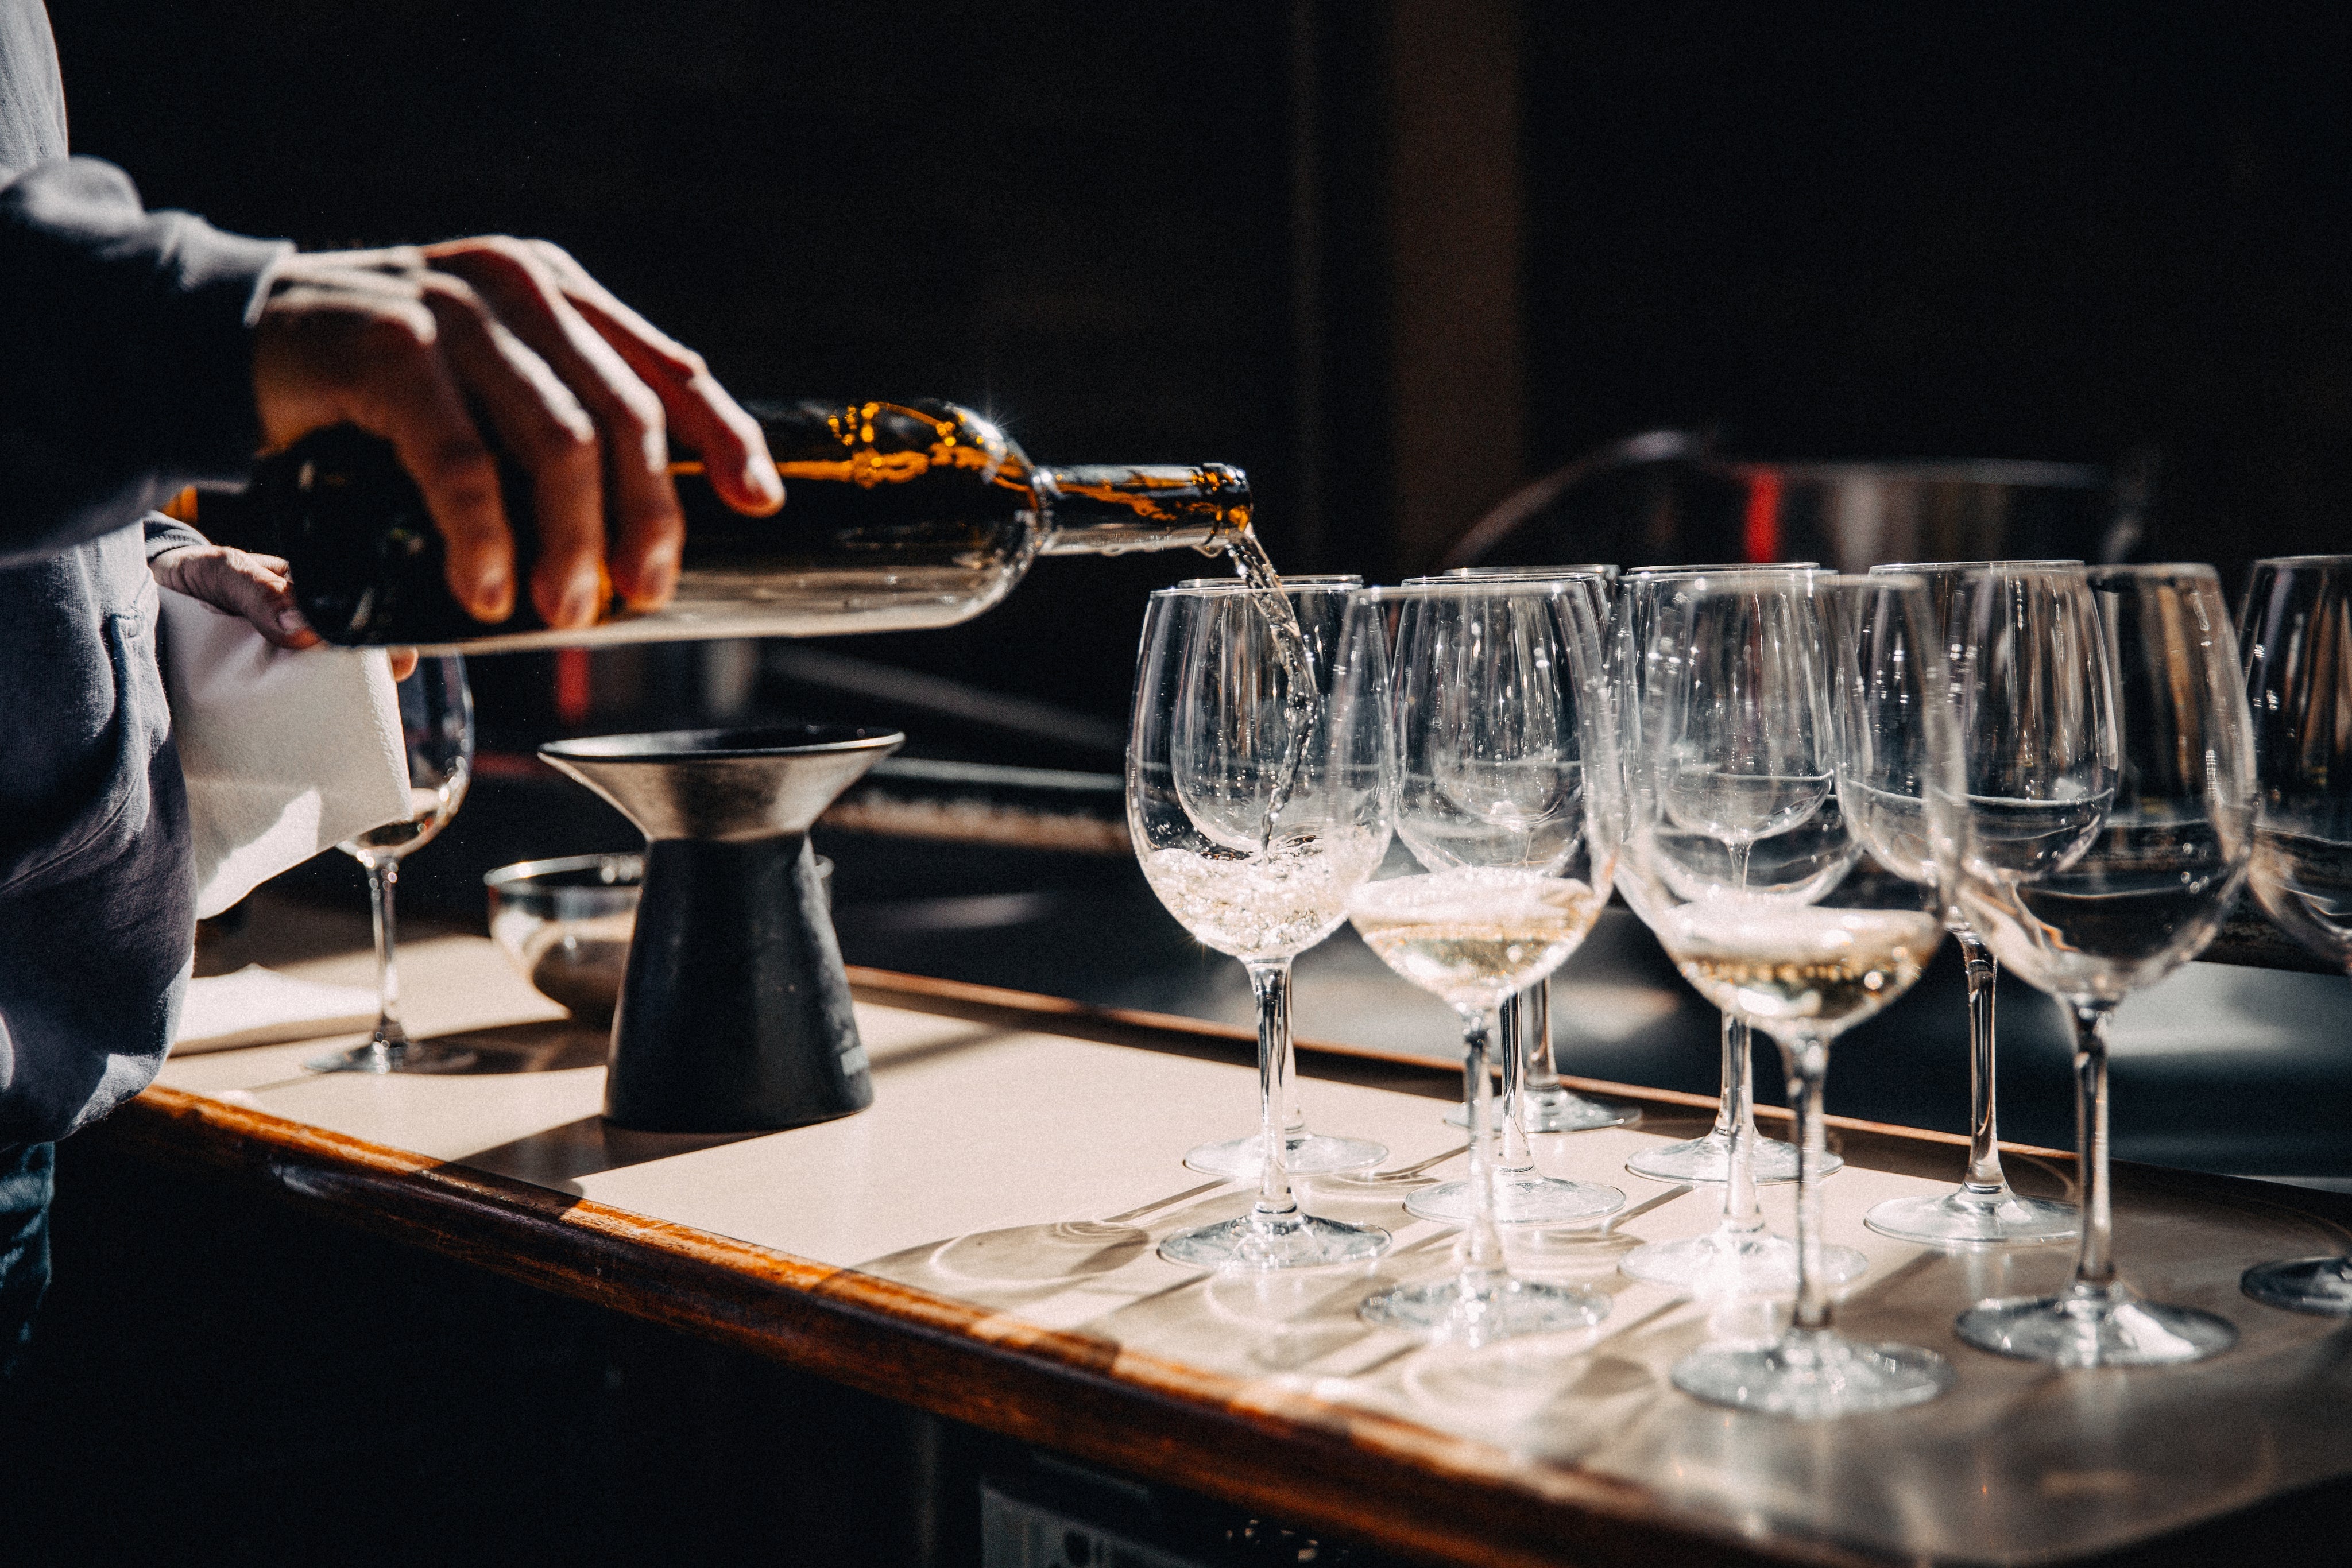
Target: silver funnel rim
675,746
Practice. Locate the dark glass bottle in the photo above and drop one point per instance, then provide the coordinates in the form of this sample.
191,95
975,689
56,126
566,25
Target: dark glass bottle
897,516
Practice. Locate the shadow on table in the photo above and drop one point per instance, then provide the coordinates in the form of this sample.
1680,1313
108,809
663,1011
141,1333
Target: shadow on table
557,1158
553,1045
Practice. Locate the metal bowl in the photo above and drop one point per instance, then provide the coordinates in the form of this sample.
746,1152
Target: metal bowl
565,923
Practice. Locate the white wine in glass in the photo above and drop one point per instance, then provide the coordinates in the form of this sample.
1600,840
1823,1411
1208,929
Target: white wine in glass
1779,688
1254,792
1505,783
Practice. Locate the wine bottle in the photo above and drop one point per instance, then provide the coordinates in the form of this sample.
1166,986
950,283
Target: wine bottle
897,516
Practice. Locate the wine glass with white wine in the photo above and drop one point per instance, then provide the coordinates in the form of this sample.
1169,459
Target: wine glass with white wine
1304,1152
1791,693
1254,798
437,729
1506,788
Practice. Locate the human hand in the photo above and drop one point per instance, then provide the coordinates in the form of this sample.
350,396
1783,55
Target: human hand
405,343
255,587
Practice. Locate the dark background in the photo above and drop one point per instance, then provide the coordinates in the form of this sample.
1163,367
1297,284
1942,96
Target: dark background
1289,236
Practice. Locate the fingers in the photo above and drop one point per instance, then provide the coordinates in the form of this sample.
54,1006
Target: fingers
734,454
647,526
337,344
413,345
255,587
404,664
540,420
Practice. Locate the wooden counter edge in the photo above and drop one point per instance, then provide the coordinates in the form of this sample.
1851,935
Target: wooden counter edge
1368,1477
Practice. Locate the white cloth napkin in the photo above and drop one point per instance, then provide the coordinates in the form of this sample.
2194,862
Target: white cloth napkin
256,1006
286,753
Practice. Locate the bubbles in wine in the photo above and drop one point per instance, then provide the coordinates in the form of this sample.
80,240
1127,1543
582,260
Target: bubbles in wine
1272,905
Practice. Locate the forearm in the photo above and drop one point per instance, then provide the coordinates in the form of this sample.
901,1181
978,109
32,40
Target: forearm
127,338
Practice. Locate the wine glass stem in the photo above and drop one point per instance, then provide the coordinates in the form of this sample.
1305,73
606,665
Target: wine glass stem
1294,1119
1808,1062
1483,1272
1731,1096
1742,1215
2094,1263
1271,983
384,877
1542,1073
1517,1155
1984,1132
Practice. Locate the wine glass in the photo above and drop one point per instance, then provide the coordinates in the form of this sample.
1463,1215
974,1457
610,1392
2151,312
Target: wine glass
1534,1099
1709,1157
1791,694
437,729
1505,784
1304,1153
1254,798
1983,1210
2295,633
2105,852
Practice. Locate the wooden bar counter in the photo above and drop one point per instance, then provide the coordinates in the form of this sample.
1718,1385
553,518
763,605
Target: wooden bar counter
981,1245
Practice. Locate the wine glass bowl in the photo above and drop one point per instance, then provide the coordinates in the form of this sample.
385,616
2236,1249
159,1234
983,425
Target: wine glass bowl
1255,803
2296,638
436,723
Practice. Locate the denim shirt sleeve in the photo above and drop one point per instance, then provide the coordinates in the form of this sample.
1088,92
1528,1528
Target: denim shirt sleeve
128,338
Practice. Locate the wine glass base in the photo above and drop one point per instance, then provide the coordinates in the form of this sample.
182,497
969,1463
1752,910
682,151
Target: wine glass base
397,1056
1708,1160
1292,1241
1526,1199
1813,1375
2094,1329
1441,1309
1722,1264
1966,1218
2320,1285
1558,1111
1304,1154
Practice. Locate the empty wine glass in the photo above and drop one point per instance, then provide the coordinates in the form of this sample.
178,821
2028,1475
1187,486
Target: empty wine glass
1816,706
1983,1210
1706,1158
1534,1099
1506,786
2103,855
436,727
1304,1153
2295,633
1739,1256
1254,778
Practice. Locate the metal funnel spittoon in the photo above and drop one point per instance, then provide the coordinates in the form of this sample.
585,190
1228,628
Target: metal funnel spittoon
734,1015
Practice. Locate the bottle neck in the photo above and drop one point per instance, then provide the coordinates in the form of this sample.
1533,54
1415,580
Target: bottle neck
1107,509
